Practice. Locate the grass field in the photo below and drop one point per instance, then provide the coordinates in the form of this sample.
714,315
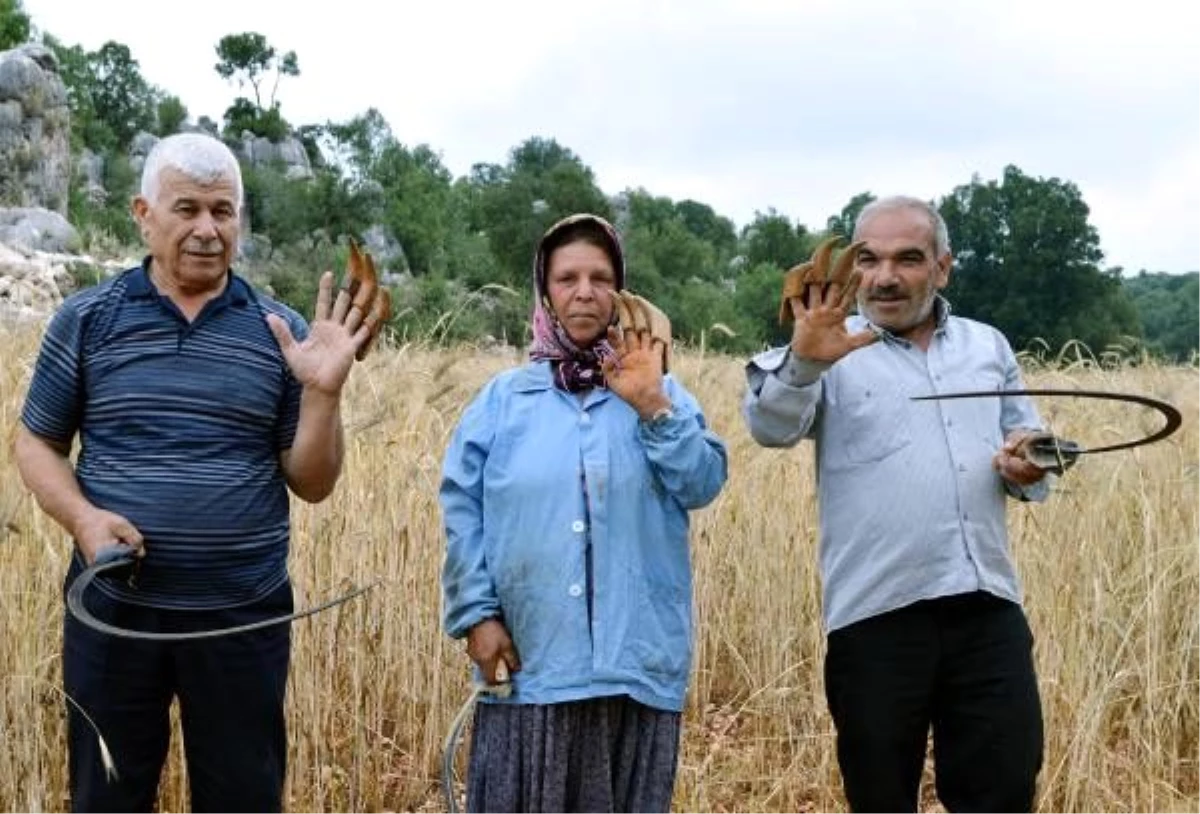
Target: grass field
1110,567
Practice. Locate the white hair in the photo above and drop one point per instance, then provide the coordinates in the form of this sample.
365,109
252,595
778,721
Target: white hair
941,235
198,156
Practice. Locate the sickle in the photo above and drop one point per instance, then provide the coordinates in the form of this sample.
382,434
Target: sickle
1173,418
121,556
502,689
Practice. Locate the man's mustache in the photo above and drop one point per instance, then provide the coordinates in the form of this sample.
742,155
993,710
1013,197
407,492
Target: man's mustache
213,247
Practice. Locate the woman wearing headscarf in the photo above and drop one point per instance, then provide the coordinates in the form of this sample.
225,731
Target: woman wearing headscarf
565,495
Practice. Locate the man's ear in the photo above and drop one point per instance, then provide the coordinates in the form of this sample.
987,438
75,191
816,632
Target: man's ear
139,207
945,264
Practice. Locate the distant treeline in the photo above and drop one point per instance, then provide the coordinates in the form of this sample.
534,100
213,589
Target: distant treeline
1027,258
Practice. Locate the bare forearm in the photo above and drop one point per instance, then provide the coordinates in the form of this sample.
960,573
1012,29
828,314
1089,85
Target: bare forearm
314,462
48,474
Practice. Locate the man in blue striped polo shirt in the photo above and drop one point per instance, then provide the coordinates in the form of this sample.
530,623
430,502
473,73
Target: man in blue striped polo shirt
198,402
921,598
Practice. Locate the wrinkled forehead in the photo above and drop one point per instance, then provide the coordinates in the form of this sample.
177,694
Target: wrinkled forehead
897,231
581,251
175,186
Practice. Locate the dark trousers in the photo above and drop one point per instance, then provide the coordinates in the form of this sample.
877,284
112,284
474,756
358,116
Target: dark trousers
230,690
962,665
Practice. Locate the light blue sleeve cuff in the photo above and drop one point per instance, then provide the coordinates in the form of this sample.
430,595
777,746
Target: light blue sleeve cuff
789,368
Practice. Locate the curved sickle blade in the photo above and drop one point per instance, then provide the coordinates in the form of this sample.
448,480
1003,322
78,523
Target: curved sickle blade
450,747
1172,416
122,559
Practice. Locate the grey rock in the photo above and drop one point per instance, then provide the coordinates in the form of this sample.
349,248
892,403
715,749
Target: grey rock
35,122
38,230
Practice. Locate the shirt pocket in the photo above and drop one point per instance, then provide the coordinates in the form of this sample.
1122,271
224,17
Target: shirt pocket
662,632
869,424
981,414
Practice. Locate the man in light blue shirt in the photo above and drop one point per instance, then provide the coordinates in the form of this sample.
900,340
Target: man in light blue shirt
921,599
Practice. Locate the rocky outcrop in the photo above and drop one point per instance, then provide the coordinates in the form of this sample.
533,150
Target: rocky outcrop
31,285
289,154
34,229
89,170
139,148
35,130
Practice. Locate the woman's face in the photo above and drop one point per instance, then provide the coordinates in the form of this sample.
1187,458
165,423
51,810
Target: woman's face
580,282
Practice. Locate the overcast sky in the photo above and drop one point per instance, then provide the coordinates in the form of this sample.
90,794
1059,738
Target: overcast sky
796,105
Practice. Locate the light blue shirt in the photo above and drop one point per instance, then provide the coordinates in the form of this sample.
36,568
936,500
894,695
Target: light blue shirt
519,530
910,505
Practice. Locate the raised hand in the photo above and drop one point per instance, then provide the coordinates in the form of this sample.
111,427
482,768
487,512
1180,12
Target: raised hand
642,341
818,299
343,328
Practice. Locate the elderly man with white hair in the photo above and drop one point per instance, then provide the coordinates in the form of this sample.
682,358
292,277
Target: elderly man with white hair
198,403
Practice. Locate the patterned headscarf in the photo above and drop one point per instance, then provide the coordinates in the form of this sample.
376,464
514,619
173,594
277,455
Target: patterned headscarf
575,369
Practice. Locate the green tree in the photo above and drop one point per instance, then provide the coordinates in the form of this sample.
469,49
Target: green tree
1167,310
121,97
109,99
243,116
772,238
702,221
280,208
170,114
1027,261
14,24
669,264
415,192
355,144
514,204
339,206
248,59
413,187
843,223
756,299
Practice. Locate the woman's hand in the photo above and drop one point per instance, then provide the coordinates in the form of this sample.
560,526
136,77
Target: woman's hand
642,342
489,646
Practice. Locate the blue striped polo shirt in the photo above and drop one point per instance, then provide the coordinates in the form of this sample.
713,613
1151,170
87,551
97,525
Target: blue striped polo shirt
181,426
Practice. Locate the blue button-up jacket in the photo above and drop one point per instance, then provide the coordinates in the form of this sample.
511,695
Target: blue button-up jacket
567,517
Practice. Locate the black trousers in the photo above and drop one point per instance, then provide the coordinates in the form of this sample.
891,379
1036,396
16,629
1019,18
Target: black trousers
962,665
231,695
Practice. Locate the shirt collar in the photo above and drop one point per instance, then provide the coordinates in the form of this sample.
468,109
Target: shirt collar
941,311
237,291
536,375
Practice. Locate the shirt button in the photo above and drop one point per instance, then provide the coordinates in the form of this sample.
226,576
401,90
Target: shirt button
575,590
962,468
584,418
578,526
949,422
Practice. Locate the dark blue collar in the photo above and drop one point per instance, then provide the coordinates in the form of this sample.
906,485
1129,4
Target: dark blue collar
237,291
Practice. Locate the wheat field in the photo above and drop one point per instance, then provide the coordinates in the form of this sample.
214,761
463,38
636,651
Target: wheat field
1109,563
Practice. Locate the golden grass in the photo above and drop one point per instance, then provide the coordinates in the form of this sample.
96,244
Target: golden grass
1109,564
